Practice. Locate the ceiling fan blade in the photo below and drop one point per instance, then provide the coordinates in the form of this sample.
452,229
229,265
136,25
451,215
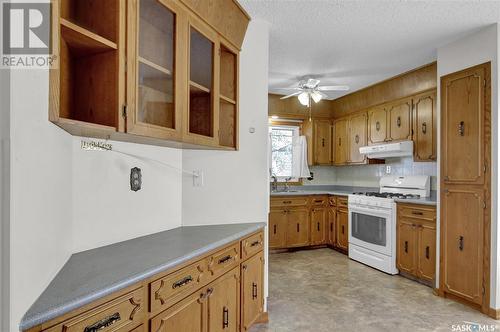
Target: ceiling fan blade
333,88
291,95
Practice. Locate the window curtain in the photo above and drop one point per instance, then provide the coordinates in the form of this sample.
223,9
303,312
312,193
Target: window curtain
300,168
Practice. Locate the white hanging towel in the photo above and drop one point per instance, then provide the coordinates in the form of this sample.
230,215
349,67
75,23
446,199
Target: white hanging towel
299,164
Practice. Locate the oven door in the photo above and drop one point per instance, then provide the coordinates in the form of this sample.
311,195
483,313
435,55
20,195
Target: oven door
371,229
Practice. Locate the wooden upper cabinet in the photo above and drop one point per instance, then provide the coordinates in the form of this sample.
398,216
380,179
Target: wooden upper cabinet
357,137
322,142
160,72
341,141
277,228
377,125
462,122
425,127
152,97
399,120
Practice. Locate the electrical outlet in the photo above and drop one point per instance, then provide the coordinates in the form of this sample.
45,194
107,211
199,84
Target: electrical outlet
388,169
197,178
135,179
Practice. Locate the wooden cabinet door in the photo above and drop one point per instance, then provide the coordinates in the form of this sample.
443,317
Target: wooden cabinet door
224,303
331,225
297,234
319,222
425,127
357,137
462,242
252,287
341,142
188,315
277,228
406,255
322,142
426,252
377,125
342,229
463,129
399,115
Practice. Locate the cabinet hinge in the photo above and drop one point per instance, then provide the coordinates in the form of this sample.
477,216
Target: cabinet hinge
124,111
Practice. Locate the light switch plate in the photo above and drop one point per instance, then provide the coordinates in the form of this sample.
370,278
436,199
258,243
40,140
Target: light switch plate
388,169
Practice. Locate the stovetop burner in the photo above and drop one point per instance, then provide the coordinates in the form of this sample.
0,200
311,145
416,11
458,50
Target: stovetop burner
387,195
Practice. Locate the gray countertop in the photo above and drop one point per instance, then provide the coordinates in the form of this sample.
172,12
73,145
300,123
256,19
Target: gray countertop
93,274
347,190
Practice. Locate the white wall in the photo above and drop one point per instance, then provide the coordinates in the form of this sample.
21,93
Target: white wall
105,210
476,49
40,207
236,187
4,198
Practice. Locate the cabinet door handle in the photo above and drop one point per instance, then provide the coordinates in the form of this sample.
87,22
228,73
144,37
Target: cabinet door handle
427,255
424,128
461,128
461,243
340,141
103,323
318,201
256,243
274,229
356,139
298,228
406,246
287,202
323,142
342,229
398,121
225,259
377,126
182,282
318,227
254,290
225,317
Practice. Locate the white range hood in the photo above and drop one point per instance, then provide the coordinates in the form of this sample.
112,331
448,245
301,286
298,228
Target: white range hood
389,150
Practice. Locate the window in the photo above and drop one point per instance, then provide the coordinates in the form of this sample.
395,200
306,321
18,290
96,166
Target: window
282,138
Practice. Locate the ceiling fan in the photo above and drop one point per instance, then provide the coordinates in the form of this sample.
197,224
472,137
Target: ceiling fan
308,89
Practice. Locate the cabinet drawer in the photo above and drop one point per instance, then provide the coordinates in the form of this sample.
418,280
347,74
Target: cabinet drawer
167,290
319,200
417,212
289,201
252,245
119,315
224,260
332,201
342,202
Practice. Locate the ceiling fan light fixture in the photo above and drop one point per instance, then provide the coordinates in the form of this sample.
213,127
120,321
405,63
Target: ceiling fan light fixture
304,98
316,96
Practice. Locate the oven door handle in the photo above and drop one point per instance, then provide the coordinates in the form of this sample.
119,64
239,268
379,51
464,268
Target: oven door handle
372,212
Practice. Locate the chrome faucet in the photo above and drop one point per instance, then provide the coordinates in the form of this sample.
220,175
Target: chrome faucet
275,183
287,186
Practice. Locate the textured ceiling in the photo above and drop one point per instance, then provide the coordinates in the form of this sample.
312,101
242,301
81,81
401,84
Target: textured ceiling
358,43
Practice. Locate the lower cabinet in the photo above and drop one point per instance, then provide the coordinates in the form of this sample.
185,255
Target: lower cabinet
416,242
342,222
277,228
252,290
319,225
297,234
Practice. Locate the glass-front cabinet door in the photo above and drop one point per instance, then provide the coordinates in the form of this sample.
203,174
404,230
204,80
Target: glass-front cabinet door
152,107
202,91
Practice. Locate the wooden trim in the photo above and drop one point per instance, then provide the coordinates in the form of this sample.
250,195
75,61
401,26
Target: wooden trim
264,318
154,65
105,43
229,100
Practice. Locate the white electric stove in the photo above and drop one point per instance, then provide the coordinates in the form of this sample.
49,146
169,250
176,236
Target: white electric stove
372,220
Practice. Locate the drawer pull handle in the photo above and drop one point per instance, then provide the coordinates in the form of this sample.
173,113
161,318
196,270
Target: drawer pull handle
287,202
258,243
254,290
225,317
318,201
225,259
103,323
406,246
427,255
417,213
182,282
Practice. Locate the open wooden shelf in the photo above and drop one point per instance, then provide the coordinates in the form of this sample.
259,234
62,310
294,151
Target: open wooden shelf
84,41
100,17
199,87
229,100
